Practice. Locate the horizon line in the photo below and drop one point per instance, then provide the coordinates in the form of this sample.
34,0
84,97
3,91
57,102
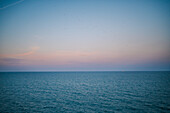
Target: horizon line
96,71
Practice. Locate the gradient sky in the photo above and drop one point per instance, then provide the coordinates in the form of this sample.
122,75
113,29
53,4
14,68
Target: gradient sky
84,35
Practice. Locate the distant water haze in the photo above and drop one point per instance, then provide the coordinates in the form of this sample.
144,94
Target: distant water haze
84,35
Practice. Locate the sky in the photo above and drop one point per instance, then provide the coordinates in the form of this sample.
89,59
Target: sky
84,35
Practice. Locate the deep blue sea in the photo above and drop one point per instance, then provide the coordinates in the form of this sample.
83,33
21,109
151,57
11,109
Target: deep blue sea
84,92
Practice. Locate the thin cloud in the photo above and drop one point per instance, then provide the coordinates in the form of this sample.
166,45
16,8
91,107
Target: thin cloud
32,51
25,54
11,4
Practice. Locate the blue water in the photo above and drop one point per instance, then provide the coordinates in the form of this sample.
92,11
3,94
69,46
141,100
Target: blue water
85,92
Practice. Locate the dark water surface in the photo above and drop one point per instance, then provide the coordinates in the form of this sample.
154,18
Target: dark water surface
84,92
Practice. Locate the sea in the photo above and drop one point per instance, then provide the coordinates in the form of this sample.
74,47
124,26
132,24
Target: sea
85,92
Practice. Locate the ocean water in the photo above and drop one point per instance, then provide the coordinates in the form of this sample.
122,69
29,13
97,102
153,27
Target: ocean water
86,92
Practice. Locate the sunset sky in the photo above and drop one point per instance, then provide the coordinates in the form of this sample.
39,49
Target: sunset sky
84,35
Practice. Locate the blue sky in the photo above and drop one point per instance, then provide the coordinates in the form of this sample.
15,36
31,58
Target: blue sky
78,35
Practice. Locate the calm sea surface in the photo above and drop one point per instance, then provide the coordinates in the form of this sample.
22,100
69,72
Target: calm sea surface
85,92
